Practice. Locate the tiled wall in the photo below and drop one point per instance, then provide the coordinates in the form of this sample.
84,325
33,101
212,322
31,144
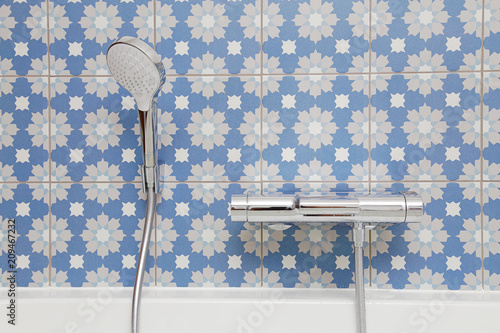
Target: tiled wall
260,96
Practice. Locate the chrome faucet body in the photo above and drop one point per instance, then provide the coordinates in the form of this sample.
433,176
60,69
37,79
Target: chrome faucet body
383,208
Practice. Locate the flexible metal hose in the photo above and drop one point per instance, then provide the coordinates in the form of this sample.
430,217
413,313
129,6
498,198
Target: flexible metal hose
143,255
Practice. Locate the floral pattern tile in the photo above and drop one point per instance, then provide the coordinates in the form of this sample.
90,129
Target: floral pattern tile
491,35
426,127
426,35
95,132
315,128
209,129
96,232
197,244
491,127
24,129
316,36
23,38
80,32
491,236
258,93
28,205
209,37
441,252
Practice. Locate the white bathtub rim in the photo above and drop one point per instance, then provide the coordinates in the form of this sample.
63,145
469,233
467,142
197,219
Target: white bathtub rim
235,310
280,295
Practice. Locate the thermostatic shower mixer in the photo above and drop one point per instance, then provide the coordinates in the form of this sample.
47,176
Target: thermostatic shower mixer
360,210
383,208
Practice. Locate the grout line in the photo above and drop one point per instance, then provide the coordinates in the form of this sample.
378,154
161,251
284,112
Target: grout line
370,268
388,73
257,182
155,244
482,198
155,225
49,110
482,145
155,42
261,148
279,74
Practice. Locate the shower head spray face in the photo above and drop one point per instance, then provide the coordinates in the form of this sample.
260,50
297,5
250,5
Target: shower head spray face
138,68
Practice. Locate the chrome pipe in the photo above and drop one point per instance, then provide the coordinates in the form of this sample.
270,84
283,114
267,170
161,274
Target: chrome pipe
358,235
405,207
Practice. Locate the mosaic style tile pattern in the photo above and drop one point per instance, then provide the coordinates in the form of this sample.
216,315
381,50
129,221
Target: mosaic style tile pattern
316,36
95,132
313,255
24,129
197,244
28,204
426,35
491,127
80,32
209,37
491,235
491,35
23,38
315,128
257,91
426,127
442,252
210,129
96,231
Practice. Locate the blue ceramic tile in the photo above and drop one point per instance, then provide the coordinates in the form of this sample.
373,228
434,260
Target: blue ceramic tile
426,127
23,37
198,245
209,37
28,204
95,131
80,32
425,36
24,129
316,255
316,36
491,127
315,128
210,129
96,232
491,35
67,125
441,252
491,236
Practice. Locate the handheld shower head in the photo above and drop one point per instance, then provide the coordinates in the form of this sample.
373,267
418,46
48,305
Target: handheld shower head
139,69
